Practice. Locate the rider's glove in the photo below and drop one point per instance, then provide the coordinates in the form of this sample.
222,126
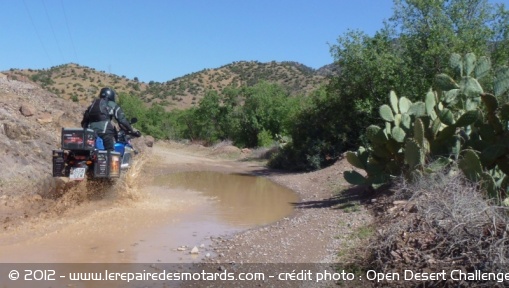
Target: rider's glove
136,133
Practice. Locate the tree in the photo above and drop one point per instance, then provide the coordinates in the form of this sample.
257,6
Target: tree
404,56
267,106
207,117
429,31
335,119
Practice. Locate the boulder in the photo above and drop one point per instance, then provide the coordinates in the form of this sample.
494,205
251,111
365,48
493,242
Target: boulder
27,110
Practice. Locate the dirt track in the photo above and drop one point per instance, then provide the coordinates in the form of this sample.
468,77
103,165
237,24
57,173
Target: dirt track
323,225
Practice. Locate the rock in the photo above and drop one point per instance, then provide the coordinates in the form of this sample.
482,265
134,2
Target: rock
182,248
121,251
45,118
16,131
149,141
400,202
195,250
27,110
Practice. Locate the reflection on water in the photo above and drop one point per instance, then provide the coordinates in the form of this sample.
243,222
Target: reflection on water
239,200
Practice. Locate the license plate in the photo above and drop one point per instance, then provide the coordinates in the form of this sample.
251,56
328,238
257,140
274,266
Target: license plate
77,173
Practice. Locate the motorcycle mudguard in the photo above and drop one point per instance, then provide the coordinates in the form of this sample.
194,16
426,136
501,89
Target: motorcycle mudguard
120,148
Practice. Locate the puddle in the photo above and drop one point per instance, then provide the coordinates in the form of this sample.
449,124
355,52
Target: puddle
182,209
240,201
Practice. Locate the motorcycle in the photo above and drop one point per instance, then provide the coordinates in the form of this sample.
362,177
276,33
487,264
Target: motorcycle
82,155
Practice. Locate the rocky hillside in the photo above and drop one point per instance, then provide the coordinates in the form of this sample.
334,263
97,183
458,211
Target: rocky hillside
31,120
80,84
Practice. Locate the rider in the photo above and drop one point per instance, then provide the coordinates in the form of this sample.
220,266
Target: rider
99,114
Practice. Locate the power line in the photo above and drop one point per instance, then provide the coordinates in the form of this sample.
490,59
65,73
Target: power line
69,32
53,30
37,32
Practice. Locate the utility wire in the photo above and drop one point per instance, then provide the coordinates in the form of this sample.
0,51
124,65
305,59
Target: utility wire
53,31
69,32
37,32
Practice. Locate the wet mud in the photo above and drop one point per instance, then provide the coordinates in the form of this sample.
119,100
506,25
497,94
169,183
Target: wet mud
159,219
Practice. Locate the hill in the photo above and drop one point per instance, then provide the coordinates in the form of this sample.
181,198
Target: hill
81,83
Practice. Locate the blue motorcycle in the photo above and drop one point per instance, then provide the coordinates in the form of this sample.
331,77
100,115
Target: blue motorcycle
82,155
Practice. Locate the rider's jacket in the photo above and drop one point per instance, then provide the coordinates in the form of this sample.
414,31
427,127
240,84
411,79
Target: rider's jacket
99,114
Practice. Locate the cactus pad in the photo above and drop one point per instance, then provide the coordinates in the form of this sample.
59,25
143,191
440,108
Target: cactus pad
471,87
468,118
386,113
483,67
490,101
430,102
451,97
376,135
394,101
404,105
418,109
398,134
354,178
469,64
490,154
456,63
414,155
352,158
419,132
470,164
445,83
446,117
488,184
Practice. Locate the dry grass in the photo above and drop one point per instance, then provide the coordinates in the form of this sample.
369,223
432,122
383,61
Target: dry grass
445,223
264,153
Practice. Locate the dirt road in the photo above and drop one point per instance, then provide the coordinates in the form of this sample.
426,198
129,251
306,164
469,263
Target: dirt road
323,227
126,223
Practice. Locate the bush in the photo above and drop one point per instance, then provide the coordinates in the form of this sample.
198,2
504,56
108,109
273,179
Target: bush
449,224
264,139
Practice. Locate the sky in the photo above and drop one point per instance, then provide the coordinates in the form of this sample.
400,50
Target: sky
159,40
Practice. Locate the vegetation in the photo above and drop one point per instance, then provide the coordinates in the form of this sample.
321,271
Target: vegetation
265,113
448,123
445,151
447,224
404,57
442,131
83,83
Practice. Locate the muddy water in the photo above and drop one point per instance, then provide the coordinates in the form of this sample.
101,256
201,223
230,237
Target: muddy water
239,201
179,210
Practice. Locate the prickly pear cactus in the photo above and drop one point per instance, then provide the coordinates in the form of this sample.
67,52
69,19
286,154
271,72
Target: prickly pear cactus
457,122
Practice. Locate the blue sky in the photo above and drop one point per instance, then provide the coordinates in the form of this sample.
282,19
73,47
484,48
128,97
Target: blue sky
161,40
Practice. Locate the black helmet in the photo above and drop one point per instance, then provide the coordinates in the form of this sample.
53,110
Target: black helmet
107,93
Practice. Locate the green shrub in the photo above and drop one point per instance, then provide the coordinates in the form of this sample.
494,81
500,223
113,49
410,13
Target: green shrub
265,139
